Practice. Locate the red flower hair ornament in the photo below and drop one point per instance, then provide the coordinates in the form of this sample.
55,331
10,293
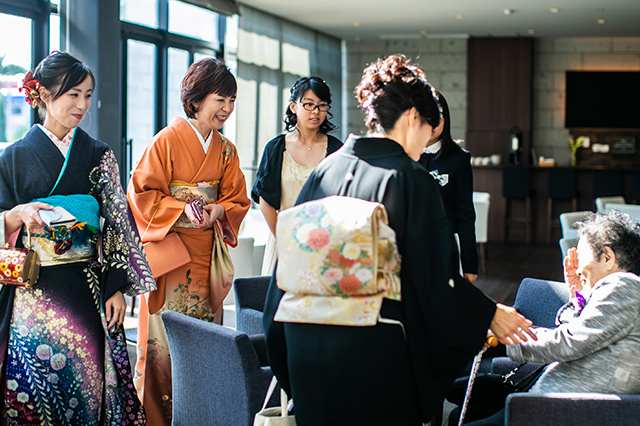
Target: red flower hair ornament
30,88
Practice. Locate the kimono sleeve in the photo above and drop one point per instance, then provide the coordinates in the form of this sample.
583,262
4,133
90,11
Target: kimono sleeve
124,264
154,210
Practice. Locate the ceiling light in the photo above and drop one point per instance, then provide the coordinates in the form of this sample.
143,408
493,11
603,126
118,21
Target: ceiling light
554,10
530,31
356,24
601,21
423,32
508,12
459,17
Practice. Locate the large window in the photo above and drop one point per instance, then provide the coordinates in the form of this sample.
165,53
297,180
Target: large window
27,33
161,38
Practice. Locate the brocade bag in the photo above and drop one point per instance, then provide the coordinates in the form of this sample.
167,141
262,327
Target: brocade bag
337,260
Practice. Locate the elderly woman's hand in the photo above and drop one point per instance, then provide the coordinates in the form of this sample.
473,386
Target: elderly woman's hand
510,327
571,276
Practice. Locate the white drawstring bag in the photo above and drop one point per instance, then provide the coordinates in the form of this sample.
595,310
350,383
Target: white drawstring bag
274,416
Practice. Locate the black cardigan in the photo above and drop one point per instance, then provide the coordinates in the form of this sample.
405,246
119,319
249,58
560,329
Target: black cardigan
452,171
268,184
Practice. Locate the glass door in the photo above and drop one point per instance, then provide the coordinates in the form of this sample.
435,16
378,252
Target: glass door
141,99
15,62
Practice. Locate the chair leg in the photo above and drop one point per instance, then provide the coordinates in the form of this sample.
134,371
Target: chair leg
483,257
529,220
504,219
549,219
133,304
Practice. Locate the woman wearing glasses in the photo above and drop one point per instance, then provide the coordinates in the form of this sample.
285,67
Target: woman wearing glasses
289,159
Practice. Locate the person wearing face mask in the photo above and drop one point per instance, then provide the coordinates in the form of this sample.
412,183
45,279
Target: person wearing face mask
289,159
595,346
188,160
450,166
63,353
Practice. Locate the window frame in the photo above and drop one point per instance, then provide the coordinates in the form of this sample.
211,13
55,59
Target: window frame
39,12
163,40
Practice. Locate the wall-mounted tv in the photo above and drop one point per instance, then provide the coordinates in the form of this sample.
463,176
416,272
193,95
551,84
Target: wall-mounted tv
602,99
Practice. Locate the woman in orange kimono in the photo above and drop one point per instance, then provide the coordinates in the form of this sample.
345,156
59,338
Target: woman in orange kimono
186,160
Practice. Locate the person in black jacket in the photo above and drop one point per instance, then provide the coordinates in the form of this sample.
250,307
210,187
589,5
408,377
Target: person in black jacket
397,371
450,166
289,159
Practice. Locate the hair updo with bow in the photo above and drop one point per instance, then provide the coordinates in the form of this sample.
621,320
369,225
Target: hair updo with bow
391,86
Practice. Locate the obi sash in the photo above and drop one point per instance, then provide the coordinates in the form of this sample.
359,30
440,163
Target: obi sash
337,261
60,245
187,192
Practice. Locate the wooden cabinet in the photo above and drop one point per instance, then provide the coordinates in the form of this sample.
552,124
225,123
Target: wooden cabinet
499,95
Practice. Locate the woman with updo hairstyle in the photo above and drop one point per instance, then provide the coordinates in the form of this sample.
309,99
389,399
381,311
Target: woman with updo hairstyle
397,371
188,182
63,352
289,159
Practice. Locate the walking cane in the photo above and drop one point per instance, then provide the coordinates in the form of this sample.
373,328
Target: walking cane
491,341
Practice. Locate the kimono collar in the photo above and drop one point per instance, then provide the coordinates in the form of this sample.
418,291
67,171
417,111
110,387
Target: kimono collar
64,144
367,146
205,143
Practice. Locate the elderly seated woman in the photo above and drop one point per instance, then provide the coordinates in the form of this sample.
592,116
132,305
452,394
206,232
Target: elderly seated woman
595,346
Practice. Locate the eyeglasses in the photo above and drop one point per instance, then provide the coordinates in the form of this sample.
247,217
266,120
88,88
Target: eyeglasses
312,107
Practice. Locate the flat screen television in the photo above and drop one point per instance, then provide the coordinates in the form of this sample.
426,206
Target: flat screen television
602,99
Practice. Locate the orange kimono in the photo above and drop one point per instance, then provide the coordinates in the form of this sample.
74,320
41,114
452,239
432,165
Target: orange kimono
174,157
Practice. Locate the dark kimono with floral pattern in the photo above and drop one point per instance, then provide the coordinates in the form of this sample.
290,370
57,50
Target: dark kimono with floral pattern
59,365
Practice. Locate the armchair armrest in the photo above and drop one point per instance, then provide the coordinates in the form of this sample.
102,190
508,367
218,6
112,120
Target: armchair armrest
249,321
524,409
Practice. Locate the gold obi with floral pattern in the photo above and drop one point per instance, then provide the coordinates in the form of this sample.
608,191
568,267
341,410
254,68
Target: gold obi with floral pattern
187,192
337,261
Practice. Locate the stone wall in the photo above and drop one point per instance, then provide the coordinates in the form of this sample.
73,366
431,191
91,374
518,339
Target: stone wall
445,62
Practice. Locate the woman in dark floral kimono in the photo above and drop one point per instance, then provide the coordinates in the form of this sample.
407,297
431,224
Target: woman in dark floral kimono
63,356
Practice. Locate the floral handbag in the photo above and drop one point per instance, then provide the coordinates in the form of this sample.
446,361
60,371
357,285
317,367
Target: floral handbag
19,266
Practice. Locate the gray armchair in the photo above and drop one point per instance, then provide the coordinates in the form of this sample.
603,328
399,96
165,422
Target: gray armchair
217,373
250,294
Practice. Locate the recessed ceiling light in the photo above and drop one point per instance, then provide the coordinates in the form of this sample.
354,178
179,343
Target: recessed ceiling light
459,17
601,21
530,31
356,24
554,10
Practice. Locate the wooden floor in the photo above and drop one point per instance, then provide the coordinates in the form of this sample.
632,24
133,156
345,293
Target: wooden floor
508,264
